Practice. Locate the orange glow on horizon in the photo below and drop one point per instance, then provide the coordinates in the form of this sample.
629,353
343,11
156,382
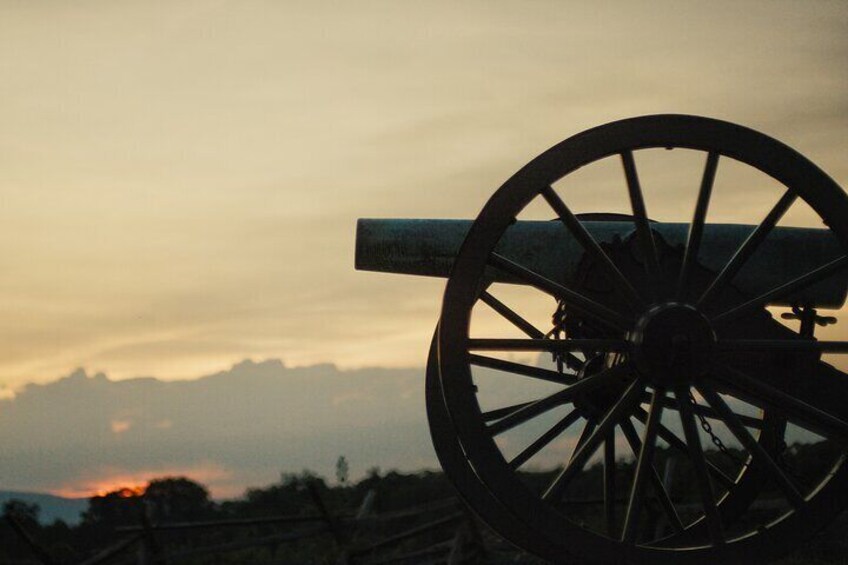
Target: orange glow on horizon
124,492
134,483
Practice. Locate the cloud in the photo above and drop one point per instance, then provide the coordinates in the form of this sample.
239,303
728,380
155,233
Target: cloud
120,426
243,427
232,429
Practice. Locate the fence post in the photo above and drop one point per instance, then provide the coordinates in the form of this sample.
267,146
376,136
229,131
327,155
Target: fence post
39,551
366,508
332,524
668,480
367,505
468,544
149,551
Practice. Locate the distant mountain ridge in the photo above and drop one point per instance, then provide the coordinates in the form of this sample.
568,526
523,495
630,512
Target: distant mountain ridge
52,507
230,430
235,429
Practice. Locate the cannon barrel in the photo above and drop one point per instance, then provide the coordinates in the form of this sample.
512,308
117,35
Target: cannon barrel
427,247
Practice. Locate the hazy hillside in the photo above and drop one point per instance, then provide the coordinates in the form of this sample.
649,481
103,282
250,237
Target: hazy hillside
52,507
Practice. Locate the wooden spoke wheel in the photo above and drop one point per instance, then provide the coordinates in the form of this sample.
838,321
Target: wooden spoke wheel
674,348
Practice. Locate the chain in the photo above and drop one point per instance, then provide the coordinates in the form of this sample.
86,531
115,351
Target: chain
707,427
558,331
780,455
563,360
558,320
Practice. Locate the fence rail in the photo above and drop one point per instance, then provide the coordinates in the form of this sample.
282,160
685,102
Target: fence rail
352,533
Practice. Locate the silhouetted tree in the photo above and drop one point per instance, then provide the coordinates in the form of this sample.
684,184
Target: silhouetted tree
287,497
342,470
117,508
177,499
24,512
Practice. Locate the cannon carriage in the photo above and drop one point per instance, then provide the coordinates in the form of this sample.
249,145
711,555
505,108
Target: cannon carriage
674,382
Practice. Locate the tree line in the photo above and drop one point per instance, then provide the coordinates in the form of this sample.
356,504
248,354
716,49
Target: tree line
170,500
178,499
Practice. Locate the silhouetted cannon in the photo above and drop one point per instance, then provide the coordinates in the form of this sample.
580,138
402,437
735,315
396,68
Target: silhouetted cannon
678,420
429,247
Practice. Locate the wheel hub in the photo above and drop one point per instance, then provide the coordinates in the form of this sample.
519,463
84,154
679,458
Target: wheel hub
672,343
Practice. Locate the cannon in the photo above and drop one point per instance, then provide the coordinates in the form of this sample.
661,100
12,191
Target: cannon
676,406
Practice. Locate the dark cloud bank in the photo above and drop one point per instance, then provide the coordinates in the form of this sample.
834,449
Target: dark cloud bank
237,428
232,429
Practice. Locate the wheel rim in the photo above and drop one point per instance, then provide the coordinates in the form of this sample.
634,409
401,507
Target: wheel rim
461,475
715,138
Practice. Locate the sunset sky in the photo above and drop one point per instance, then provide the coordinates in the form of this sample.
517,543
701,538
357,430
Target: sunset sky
180,181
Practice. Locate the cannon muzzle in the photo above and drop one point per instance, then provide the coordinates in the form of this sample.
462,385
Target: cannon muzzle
428,248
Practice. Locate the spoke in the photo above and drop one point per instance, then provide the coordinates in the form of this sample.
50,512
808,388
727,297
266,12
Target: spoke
656,482
644,466
671,438
585,239
696,228
799,345
800,412
707,412
759,454
748,247
559,398
513,317
588,428
609,482
544,439
499,413
620,409
800,283
521,369
574,299
551,345
640,217
699,462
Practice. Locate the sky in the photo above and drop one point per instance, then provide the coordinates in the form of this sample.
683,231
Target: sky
234,429
180,181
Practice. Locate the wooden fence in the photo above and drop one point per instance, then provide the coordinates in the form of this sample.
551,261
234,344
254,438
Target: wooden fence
439,532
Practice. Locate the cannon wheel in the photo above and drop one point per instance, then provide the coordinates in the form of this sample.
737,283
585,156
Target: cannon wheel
451,455
816,401
745,487
462,476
